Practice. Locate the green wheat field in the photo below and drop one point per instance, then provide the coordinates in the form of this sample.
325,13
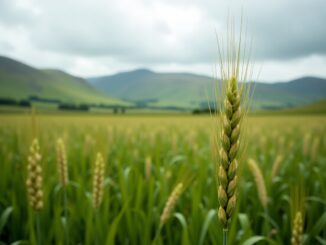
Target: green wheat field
145,158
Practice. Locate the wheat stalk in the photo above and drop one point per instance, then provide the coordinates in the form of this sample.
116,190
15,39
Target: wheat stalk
63,178
260,183
234,68
34,183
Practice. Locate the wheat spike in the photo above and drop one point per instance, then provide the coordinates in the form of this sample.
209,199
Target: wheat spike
34,181
260,183
62,163
148,167
98,180
297,229
173,198
227,171
276,165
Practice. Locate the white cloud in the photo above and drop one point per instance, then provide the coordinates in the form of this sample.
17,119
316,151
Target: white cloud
93,37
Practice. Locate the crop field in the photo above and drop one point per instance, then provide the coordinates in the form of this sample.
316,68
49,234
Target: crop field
152,180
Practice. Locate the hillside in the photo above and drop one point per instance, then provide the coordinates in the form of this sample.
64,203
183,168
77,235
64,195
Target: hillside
313,108
161,89
20,81
189,90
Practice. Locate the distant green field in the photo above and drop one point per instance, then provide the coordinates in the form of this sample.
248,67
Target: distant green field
145,158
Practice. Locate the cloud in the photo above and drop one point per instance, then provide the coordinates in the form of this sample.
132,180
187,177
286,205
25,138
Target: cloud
281,29
92,36
17,13
126,31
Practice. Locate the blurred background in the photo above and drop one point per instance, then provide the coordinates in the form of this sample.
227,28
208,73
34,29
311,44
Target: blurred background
156,56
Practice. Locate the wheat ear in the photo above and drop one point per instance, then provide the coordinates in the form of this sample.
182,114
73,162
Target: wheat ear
148,167
227,171
171,202
62,163
34,180
98,180
297,229
260,183
63,178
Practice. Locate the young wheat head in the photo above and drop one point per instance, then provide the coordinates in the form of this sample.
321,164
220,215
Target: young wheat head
98,181
234,71
171,202
229,149
148,167
62,163
34,181
260,183
276,166
297,229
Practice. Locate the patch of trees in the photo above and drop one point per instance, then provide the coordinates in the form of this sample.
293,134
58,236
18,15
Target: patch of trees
45,100
73,107
271,107
117,110
13,102
204,111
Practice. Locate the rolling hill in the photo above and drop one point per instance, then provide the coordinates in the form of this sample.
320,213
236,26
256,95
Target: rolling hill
156,89
145,88
20,81
189,90
318,107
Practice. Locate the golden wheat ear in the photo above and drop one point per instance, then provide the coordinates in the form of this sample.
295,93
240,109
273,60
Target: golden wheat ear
259,181
98,181
297,229
62,163
276,166
34,181
171,202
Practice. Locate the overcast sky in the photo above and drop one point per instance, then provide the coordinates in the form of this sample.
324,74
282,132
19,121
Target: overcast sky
97,37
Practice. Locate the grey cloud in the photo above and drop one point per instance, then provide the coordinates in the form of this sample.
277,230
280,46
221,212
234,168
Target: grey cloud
92,31
281,29
4,45
13,14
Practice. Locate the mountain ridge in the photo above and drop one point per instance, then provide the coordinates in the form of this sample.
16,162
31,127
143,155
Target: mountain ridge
20,81
193,90
144,87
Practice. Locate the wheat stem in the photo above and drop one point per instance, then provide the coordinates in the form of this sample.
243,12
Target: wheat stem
225,236
38,228
65,207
